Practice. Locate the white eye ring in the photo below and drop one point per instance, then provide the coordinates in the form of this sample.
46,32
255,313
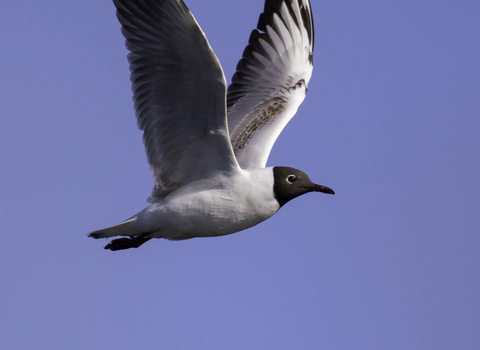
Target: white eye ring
291,179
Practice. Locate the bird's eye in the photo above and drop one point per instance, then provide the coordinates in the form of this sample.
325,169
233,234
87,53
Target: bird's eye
291,178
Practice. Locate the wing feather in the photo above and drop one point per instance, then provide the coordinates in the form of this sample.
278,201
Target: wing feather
271,79
179,92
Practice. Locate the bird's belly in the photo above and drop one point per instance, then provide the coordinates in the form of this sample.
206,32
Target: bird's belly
209,213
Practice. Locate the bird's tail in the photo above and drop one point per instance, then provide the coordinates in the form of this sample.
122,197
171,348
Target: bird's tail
126,228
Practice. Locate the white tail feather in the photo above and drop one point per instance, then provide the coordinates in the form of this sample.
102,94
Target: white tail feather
125,228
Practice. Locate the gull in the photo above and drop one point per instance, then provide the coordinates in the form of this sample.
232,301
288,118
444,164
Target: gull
207,145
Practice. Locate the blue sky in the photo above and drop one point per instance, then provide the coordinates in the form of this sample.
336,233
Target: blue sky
391,123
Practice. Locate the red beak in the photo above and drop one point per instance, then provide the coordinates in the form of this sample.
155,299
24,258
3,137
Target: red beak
320,188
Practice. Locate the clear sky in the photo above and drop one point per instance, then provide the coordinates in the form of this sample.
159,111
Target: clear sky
391,122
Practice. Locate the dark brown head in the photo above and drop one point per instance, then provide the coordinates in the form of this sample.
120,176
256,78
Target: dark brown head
289,183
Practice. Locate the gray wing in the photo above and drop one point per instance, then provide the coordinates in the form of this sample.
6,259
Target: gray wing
271,79
179,92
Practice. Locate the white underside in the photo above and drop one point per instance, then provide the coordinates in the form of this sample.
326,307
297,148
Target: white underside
220,205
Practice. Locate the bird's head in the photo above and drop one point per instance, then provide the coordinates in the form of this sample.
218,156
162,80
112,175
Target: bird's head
290,183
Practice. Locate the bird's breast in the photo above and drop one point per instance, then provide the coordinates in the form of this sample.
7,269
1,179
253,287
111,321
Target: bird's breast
216,207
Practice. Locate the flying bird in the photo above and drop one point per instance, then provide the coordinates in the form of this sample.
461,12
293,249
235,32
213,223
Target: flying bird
207,145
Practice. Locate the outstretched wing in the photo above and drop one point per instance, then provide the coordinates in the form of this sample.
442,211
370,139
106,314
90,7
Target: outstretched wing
271,79
179,92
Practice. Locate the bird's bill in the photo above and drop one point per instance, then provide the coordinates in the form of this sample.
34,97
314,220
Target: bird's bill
320,188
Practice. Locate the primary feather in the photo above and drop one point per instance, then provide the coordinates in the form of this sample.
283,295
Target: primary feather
271,79
178,91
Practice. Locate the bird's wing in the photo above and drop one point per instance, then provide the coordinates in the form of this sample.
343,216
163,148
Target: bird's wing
271,79
179,92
